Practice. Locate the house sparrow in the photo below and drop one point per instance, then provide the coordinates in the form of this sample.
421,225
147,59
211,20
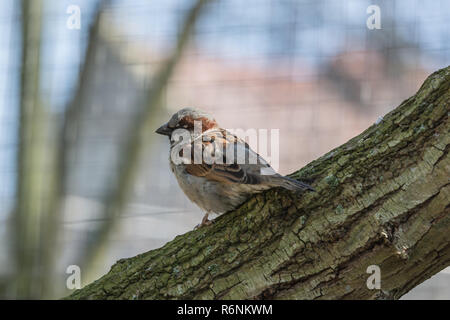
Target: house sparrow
215,169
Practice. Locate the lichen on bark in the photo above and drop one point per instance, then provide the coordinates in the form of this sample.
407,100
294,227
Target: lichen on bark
382,199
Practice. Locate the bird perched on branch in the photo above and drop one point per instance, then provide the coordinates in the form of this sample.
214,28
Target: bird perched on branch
215,169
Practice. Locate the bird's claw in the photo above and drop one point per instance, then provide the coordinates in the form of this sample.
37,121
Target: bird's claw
205,222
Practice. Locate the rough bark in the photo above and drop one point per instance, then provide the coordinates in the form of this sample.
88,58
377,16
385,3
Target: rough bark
382,199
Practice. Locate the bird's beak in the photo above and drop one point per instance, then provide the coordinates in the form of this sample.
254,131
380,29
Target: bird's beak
164,130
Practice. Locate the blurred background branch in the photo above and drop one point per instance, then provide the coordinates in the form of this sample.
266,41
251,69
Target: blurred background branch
40,198
29,217
72,117
140,134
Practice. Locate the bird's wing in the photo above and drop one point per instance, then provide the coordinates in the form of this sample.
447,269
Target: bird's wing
239,165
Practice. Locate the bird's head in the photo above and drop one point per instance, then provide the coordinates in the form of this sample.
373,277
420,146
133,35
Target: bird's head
185,119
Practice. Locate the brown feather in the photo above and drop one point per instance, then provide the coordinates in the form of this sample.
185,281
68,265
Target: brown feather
187,122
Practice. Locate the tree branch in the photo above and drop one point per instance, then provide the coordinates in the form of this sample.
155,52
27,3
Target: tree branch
382,199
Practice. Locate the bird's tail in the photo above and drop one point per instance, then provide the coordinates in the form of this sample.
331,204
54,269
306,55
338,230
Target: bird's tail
292,184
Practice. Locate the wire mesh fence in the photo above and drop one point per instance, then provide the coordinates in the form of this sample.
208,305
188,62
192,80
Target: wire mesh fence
101,74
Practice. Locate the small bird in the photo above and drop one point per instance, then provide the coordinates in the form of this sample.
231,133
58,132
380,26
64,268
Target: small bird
215,169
